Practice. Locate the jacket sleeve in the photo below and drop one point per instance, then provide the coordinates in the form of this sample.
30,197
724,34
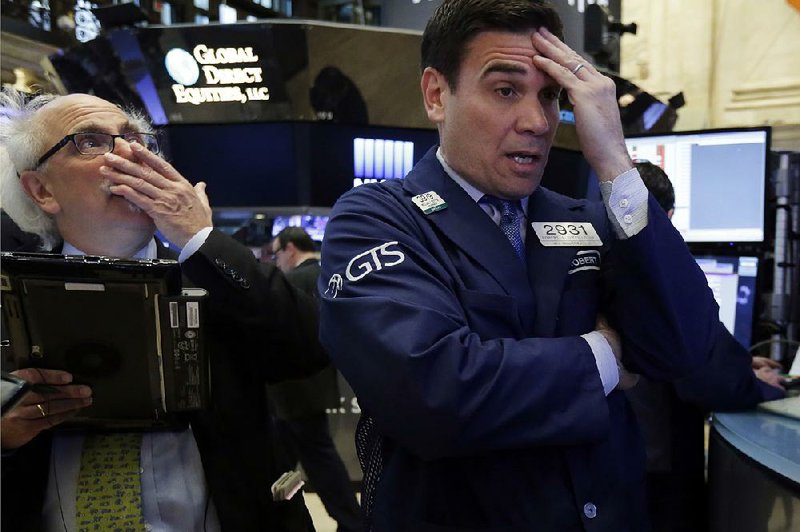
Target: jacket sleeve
275,326
726,381
660,302
395,322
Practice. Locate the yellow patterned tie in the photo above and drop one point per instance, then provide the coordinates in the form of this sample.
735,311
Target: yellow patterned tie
109,485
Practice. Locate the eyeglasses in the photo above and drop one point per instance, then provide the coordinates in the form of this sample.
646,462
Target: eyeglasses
100,143
274,255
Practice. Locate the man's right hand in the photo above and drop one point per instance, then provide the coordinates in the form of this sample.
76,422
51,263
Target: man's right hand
178,208
42,410
627,379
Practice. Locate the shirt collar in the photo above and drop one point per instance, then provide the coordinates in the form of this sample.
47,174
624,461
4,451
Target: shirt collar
147,252
473,192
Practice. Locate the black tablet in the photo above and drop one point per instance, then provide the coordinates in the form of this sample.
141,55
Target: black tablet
113,324
12,390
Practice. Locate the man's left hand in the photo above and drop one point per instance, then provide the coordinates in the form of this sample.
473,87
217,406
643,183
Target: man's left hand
594,100
627,380
178,209
770,376
763,362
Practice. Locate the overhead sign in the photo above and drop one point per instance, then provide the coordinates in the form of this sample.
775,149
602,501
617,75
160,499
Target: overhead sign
218,74
230,75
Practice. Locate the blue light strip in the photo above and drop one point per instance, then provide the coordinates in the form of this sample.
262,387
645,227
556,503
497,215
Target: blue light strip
382,158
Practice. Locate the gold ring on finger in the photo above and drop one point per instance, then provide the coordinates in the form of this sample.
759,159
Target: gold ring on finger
41,409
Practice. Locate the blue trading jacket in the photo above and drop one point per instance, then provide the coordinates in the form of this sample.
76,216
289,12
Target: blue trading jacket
485,407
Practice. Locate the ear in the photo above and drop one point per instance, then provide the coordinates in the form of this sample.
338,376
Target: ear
434,94
39,191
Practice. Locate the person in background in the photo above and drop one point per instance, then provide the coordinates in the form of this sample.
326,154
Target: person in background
86,178
673,429
300,404
475,313
658,185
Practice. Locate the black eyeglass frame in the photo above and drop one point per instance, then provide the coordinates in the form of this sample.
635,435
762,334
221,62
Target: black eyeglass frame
71,138
274,254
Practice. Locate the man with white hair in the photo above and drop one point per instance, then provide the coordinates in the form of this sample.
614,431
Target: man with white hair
85,177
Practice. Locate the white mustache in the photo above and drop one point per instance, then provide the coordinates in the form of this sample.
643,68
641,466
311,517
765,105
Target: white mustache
105,186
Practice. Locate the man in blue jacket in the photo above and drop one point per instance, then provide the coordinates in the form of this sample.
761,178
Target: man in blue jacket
469,308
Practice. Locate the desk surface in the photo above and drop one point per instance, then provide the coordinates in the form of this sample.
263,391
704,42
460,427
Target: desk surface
771,440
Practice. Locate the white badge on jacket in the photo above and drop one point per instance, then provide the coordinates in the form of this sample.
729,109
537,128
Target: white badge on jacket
572,234
429,202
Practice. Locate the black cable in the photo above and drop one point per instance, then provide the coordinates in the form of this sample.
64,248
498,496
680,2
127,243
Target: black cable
793,343
205,512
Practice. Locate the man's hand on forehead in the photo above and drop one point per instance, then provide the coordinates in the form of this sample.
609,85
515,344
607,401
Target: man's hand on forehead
512,60
548,45
594,99
509,57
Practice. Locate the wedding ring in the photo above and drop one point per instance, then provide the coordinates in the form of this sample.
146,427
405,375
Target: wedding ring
41,409
578,67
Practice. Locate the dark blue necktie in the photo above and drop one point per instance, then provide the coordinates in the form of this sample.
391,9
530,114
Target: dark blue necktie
509,222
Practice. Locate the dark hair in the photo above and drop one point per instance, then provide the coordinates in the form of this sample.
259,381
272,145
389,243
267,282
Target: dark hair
456,22
296,236
657,183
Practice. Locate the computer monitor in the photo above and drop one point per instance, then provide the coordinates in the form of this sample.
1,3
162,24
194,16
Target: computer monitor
719,178
733,282
314,224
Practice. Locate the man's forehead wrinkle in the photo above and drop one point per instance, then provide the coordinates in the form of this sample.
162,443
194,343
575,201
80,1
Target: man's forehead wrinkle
514,51
521,55
512,58
83,116
100,120
95,126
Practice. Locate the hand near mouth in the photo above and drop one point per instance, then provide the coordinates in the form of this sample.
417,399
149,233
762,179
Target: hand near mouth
178,208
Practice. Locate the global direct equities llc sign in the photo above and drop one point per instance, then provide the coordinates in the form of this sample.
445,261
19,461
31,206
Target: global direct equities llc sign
230,75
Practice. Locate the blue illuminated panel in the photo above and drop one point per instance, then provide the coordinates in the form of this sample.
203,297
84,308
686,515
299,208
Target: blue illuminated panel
377,159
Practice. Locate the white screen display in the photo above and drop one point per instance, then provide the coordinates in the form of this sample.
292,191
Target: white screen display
719,180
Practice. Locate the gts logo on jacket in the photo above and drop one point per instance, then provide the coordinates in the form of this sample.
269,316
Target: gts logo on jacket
372,260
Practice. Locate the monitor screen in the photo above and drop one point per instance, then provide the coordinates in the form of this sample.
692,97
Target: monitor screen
733,282
719,178
314,224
